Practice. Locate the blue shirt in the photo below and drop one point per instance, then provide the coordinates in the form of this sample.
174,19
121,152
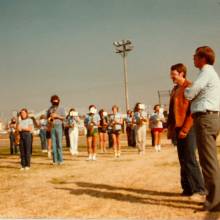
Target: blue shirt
25,123
92,118
73,121
58,110
205,91
139,115
117,118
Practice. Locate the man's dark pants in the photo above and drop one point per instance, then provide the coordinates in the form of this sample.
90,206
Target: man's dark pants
191,176
207,128
25,148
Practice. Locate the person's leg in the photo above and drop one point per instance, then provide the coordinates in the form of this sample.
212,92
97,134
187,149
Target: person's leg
128,132
22,151
144,137
156,140
11,142
71,138
159,144
94,138
152,138
138,139
54,144
118,144
75,140
193,172
181,143
44,140
101,141
59,131
207,128
114,143
28,143
89,147
104,141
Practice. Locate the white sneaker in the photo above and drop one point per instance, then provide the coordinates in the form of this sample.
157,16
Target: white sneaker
94,157
27,168
49,154
159,148
22,169
89,157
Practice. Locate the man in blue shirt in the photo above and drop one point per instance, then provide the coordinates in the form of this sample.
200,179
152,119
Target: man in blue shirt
205,107
56,115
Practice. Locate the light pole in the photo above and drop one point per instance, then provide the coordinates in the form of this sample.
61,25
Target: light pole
123,47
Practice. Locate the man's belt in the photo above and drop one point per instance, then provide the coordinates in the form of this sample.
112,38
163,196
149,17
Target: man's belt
208,112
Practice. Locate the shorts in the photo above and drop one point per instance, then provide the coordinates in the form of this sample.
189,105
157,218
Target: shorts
102,130
92,133
48,134
116,132
157,130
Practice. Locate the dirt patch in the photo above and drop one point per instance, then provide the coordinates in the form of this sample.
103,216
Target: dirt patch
139,187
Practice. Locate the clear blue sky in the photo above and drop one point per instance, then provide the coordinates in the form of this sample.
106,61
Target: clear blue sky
65,47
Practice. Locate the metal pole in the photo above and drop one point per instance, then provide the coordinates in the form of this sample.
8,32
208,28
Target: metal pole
125,79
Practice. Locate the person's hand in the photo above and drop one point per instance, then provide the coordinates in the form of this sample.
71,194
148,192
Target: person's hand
182,135
54,115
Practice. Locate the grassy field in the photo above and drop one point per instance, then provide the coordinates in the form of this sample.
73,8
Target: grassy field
134,186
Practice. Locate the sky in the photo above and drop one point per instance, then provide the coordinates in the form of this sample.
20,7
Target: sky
65,47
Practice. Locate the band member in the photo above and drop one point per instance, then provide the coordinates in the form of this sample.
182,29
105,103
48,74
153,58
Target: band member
55,117
157,120
103,130
140,119
25,128
42,134
91,122
116,122
11,129
73,122
130,129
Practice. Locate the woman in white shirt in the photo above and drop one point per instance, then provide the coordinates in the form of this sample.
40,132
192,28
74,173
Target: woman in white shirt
25,128
73,122
115,122
157,120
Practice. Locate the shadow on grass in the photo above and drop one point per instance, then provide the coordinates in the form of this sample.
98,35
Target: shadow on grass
130,198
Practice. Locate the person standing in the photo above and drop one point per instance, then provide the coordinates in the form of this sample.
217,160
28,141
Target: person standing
103,130
91,122
140,119
204,95
115,122
56,115
42,134
180,123
130,130
25,128
157,120
11,129
73,122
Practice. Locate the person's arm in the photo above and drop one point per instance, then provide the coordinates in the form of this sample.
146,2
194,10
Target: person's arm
191,92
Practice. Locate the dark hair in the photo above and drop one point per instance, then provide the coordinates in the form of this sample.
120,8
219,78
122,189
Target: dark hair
207,53
136,106
180,68
24,110
92,106
156,106
101,111
115,106
54,97
72,109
